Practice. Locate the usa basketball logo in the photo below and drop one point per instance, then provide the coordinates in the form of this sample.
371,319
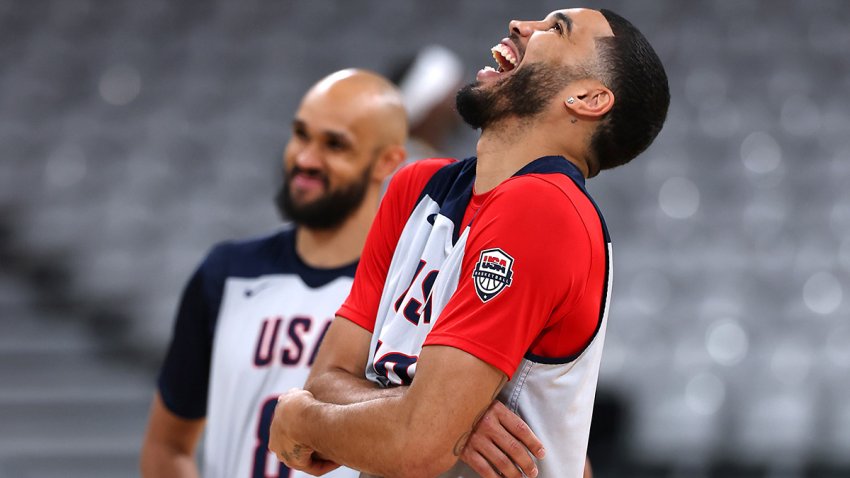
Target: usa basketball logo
492,273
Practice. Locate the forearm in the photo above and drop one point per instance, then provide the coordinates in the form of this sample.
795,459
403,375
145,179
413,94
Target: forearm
420,432
382,436
161,461
168,449
338,374
339,387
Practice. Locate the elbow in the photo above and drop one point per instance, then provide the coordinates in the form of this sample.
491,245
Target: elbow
324,379
151,461
318,381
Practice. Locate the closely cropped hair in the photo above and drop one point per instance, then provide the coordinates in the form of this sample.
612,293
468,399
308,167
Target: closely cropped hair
634,73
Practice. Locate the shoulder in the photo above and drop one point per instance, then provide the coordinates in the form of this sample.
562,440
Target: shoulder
543,211
552,181
408,183
537,196
416,174
248,256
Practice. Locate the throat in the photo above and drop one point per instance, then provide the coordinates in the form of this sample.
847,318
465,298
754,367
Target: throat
508,146
499,157
341,246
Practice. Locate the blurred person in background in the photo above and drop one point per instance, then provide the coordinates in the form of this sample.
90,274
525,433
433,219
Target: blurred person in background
428,83
254,313
488,277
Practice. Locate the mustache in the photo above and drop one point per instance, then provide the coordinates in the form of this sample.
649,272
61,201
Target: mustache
310,173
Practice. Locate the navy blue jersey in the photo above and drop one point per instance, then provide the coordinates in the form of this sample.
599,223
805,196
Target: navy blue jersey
248,328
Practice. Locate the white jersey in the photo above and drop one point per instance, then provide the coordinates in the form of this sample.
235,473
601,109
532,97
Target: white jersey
518,277
249,326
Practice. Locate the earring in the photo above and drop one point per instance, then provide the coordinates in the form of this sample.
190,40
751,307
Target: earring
571,100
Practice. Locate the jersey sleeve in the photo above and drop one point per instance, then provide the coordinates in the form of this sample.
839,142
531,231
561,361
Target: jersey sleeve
527,262
361,306
184,377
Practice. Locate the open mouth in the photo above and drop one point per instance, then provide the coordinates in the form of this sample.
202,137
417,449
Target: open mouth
507,60
505,57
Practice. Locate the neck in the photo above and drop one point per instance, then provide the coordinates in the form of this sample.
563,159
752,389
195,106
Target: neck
328,248
506,147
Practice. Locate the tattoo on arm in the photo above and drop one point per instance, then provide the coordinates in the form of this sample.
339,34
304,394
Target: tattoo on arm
461,442
296,453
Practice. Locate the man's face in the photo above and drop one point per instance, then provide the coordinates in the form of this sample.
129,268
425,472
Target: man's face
327,163
535,63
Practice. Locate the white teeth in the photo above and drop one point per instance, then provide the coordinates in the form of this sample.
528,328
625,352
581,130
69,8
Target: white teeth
489,68
505,52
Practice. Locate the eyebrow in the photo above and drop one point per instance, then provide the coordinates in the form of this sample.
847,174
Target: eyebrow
328,133
339,137
567,21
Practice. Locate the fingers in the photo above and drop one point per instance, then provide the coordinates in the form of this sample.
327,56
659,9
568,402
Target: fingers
304,459
513,441
499,461
518,429
320,467
478,463
503,441
314,467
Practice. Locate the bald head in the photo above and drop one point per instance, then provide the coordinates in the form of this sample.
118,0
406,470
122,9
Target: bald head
348,136
363,99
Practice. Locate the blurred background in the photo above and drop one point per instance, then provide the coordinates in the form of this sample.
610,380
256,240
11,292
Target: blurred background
135,135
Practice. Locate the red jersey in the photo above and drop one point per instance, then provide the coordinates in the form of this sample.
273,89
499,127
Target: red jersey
518,277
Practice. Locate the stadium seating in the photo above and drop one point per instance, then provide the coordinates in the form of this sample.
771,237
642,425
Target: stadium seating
135,135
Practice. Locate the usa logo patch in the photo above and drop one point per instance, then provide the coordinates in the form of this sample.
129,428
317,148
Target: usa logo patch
492,273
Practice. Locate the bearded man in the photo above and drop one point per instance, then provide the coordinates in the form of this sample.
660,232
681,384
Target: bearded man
488,277
253,314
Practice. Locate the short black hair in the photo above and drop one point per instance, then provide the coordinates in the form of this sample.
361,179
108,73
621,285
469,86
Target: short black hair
634,73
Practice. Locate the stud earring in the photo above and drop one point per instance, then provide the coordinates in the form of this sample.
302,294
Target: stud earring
571,100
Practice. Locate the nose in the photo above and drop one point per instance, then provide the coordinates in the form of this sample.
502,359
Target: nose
308,157
521,28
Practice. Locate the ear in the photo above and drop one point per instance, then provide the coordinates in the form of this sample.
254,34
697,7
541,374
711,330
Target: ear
388,161
591,100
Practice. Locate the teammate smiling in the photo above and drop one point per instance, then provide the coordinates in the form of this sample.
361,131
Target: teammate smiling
253,314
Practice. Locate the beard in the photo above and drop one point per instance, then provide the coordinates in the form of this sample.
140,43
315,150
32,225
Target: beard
525,94
328,211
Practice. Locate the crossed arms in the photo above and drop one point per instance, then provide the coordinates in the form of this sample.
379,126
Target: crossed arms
421,430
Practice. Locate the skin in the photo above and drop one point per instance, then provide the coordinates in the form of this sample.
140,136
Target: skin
510,144
501,437
345,123
168,450
432,420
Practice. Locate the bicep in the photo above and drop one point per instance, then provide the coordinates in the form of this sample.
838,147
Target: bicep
345,348
451,391
539,266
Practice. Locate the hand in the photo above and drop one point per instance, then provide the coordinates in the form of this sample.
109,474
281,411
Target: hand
500,445
296,456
